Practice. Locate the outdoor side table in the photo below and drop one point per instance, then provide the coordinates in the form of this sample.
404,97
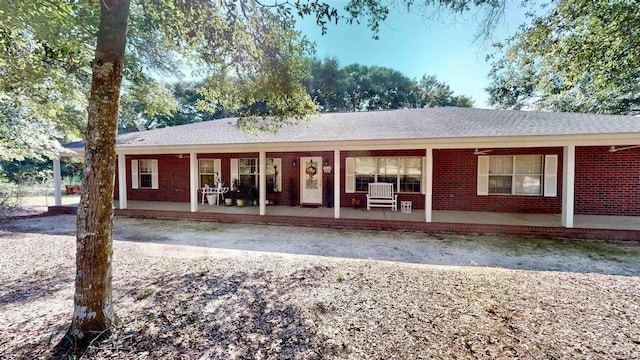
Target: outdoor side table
405,206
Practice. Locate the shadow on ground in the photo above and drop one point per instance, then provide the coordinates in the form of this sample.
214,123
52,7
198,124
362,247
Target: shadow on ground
205,315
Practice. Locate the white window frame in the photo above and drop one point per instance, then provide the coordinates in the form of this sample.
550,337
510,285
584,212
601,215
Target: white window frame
151,168
546,172
351,172
270,171
213,168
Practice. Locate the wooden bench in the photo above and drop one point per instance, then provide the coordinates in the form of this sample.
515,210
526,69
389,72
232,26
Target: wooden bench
73,189
381,195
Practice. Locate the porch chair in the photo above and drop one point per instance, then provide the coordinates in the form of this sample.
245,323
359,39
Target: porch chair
381,195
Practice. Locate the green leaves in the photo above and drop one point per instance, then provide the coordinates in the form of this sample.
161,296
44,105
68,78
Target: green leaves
360,88
581,56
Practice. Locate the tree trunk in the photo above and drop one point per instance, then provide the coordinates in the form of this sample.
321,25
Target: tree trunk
93,312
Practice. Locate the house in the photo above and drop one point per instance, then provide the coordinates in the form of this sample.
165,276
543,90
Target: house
439,159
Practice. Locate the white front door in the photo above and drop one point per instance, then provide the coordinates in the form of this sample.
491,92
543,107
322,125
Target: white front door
311,180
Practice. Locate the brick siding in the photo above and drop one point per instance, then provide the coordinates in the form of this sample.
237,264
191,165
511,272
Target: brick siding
455,181
607,183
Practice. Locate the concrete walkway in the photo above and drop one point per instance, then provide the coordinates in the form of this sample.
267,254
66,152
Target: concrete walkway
444,216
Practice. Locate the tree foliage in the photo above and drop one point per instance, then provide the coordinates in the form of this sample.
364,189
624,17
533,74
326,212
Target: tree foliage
250,49
580,56
361,88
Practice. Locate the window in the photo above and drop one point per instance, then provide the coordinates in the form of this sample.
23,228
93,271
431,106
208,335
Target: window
144,174
365,171
208,175
405,173
247,171
411,174
272,175
515,175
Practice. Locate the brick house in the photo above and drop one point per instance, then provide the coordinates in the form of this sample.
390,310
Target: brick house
450,158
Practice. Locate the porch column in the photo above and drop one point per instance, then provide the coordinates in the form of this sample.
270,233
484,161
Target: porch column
193,183
57,194
568,181
336,184
122,181
262,175
428,193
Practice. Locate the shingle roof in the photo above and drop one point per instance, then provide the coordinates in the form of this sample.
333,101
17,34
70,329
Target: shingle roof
433,123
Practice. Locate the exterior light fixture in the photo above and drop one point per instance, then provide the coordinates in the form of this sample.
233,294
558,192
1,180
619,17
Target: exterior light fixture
294,163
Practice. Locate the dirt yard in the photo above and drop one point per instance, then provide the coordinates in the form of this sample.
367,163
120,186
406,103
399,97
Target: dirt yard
205,290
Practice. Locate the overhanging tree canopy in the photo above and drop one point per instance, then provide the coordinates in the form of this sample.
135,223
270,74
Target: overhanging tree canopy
250,47
581,56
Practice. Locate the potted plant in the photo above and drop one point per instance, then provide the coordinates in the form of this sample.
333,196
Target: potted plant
242,193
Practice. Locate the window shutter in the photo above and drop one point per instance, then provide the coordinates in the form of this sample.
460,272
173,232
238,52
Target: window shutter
277,162
134,174
234,171
423,182
154,173
217,169
483,175
551,175
350,175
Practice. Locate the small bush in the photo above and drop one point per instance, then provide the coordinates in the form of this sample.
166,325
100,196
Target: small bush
8,193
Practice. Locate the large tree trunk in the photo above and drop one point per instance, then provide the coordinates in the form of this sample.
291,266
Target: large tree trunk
93,312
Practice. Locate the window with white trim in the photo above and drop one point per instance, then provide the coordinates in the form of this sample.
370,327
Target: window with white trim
515,175
144,174
405,172
208,174
248,173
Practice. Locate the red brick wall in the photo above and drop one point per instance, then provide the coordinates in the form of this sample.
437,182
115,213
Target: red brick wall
607,183
173,179
455,184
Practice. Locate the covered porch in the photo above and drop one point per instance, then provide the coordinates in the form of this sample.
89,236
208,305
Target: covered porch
605,227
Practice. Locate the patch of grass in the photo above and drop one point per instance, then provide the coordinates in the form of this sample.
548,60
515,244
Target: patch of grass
144,294
149,316
39,272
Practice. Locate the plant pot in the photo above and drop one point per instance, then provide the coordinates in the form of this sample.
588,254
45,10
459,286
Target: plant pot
240,202
211,199
228,201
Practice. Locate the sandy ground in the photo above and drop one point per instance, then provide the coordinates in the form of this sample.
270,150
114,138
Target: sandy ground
187,289
618,258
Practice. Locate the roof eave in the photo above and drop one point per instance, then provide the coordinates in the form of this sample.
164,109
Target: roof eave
606,139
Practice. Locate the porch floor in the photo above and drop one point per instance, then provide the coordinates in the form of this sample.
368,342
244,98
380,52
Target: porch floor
416,215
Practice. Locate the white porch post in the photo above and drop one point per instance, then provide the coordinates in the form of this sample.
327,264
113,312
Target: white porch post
193,177
428,194
262,174
122,181
336,184
568,182
56,181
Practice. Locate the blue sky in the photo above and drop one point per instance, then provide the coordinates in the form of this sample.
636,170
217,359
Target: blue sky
416,46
